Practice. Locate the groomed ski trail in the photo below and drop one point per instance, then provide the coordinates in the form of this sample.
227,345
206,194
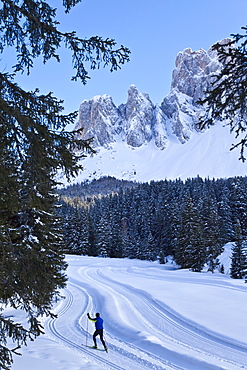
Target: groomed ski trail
142,332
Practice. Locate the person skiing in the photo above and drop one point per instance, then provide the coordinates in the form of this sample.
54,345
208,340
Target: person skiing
98,329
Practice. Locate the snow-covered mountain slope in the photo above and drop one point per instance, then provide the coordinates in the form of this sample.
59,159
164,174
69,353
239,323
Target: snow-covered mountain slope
142,141
139,120
206,154
155,317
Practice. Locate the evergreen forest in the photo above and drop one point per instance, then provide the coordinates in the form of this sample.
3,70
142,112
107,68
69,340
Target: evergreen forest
189,220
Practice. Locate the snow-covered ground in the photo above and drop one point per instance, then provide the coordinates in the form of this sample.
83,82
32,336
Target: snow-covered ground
156,317
206,154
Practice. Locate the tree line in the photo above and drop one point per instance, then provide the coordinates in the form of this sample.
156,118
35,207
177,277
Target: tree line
189,220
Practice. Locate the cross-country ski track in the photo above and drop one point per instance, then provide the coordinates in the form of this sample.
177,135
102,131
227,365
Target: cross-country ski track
145,312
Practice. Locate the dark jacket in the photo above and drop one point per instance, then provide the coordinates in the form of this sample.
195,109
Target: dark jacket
98,322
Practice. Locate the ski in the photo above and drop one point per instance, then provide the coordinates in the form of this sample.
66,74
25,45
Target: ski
97,349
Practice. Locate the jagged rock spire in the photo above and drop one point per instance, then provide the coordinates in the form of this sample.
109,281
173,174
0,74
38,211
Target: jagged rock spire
139,121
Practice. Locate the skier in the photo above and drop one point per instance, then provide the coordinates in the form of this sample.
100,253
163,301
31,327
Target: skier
98,329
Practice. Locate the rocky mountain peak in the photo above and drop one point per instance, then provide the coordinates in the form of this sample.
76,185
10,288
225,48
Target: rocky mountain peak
193,72
139,121
192,76
100,119
138,118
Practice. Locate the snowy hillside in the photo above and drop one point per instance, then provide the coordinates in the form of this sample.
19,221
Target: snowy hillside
156,317
206,154
143,141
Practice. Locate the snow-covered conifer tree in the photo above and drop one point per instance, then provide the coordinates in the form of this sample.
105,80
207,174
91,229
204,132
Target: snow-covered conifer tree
239,255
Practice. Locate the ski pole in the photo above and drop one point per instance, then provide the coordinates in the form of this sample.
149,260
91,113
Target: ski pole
105,342
86,332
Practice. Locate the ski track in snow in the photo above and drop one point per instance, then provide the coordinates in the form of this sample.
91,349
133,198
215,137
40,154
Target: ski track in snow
142,332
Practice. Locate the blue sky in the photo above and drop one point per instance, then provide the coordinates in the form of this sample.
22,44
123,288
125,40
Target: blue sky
154,30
